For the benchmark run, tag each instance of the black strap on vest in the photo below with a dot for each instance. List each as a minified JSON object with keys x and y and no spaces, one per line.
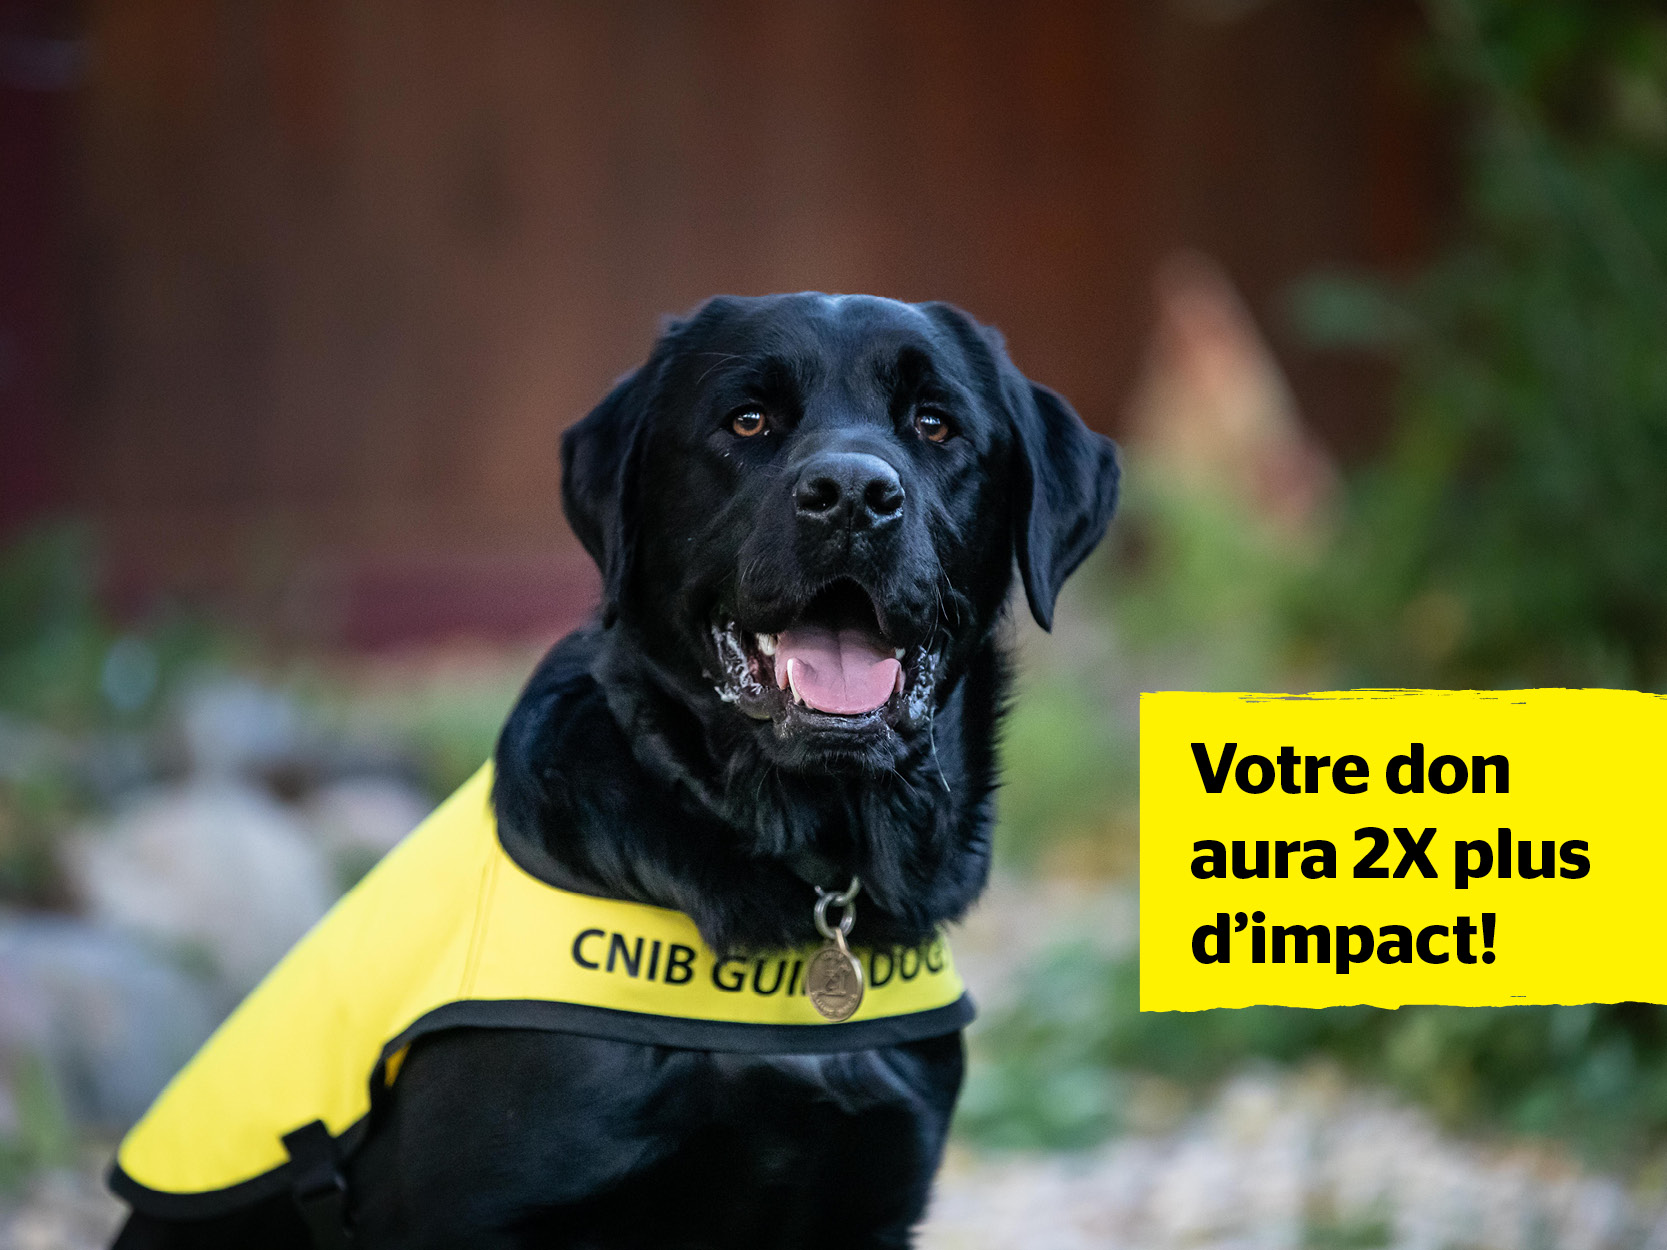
{"x":317,"y":1185}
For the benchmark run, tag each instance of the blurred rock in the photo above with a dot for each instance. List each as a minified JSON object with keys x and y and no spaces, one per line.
{"x":238,"y":726}
{"x":214,"y":868}
{"x":1283,"y":1163}
{"x":1019,"y":918}
{"x":115,"y":764}
{"x":64,"y":1210}
{"x":365,"y":815}
{"x":110,"y":1020}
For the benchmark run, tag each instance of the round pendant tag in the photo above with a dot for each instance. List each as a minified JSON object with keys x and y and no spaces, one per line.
{"x":834,"y":983}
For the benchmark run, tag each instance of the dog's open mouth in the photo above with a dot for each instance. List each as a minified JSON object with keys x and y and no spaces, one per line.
{"x":834,"y":664}
{"x":834,"y":659}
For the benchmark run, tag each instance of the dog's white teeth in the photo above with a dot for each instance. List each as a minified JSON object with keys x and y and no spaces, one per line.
{"x":781,"y":674}
{"x":766,"y":644}
{"x":898,"y":653}
{"x":899,"y":683}
{"x":793,"y":680}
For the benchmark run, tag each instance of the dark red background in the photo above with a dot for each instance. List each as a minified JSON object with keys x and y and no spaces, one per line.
{"x":296,"y":295}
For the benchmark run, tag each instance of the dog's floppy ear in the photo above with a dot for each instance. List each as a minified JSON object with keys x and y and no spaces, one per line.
{"x":600,"y":457}
{"x":1064,"y":485}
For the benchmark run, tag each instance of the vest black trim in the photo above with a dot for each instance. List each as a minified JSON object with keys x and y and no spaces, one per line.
{"x":582,"y":1020}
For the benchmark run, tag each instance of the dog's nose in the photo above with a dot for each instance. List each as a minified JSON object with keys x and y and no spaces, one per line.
{"x":848,"y":488}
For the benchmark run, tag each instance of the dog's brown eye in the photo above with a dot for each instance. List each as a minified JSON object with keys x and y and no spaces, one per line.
{"x":748,"y":423}
{"x":931,"y":426}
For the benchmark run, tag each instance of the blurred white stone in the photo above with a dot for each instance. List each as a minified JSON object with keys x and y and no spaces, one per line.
{"x":63,"y":1210}
{"x":1280,"y":1163}
{"x":214,"y":868}
{"x":368,"y":814}
{"x":110,"y":1020}
{"x":239,"y":726}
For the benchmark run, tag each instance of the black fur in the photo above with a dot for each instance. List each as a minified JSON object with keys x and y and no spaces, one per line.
{"x":641,"y":764}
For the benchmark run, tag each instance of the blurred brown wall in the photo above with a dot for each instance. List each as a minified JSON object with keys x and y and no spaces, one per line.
{"x":344,"y":270}
{"x":39,"y":66}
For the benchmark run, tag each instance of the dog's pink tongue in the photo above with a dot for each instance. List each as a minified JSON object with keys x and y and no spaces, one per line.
{"x":844,"y":672}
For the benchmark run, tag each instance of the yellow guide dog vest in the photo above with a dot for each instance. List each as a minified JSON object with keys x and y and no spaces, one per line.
{"x":449,"y":932}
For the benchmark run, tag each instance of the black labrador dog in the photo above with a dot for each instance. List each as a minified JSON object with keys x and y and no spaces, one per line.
{"x":806,"y":510}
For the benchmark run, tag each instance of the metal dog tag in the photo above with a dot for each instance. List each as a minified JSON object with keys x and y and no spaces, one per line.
{"x":833,"y":978}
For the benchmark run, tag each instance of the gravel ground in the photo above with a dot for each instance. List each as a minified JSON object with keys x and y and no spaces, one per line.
{"x":67,"y":1209}
{"x":1299,"y":1163}
{"x":1287,"y":1163}
{"x":1272,"y":1163}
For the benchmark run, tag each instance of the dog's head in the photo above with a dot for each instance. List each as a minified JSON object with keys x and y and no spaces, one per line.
{"x":807,"y":508}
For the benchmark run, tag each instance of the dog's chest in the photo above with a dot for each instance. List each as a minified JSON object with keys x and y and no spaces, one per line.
{"x":523,"y":1129}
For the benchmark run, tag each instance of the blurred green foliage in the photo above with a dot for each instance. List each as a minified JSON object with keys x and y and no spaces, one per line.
{"x":1059,"y":1066}
{"x":1068,"y":773}
{"x":1326,"y":1231}
{"x":1188,"y":592}
{"x":1513,"y":533}
{"x":1195,"y":582}
{"x":69,"y":675}
{"x":34,"y":810}
{"x":65,"y":665}
{"x":1516,"y":531}
{"x":445,"y":723}
{"x":43,"y":1136}
{"x":52,"y":637}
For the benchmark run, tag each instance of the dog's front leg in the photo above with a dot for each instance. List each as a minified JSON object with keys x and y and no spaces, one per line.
{"x":492,"y":1137}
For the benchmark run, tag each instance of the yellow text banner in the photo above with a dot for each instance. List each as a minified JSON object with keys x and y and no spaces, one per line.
{"x":1471,"y":848}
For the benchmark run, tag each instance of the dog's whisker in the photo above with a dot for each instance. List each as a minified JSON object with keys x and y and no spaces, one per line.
{"x":932,"y":740}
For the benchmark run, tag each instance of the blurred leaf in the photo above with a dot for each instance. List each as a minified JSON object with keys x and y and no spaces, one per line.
{"x":1340,"y":310}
